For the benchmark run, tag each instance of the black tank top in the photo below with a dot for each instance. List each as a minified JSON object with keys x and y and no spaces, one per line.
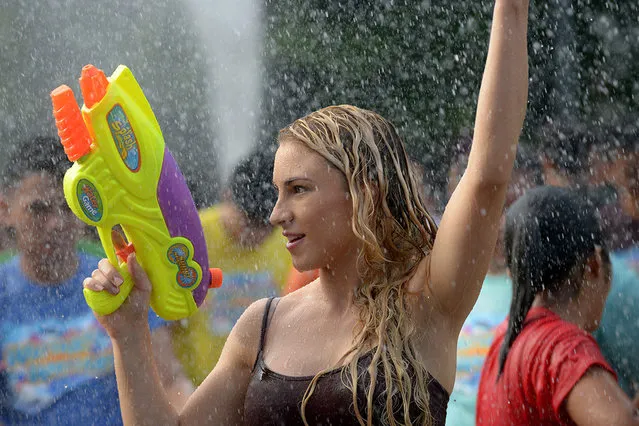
{"x":276,"y":399}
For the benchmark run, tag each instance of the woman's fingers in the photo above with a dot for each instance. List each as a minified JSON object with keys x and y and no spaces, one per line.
{"x":104,"y":282}
{"x":92,"y":284}
{"x":110,"y":272}
{"x":106,"y":277}
{"x":137,"y":272}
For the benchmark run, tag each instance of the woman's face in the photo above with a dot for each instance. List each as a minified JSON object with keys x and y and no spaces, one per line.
{"x":314,"y":208}
{"x":46,"y":230}
{"x":595,"y":290}
{"x":620,"y":169}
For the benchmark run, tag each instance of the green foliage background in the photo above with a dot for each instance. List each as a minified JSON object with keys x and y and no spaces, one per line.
{"x":417,"y":62}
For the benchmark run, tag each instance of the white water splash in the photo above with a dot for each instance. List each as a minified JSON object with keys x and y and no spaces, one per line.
{"x":231,"y":35}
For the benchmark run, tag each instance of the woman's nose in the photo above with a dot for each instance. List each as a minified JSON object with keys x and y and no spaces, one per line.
{"x":54,"y":222}
{"x":280,"y":214}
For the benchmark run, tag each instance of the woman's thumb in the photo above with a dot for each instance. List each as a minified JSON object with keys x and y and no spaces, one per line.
{"x":140,"y":278}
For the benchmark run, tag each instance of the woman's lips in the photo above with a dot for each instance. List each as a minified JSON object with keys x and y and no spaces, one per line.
{"x":294,"y":240}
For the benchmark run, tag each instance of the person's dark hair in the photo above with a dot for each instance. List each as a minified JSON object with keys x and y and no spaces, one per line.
{"x":35,"y":155}
{"x":567,"y":146}
{"x":527,"y":161}
{"x":550,"y":231}
{"x":628,"y":136}
{"x":251,"y":184}
{"x":619,"y":137}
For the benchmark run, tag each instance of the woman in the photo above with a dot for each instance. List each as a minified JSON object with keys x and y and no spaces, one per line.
{"x":544,"y":367}
{"x":373,"y":340}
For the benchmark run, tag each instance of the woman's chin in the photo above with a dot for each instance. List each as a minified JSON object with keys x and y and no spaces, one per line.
{"x":303,"y":265}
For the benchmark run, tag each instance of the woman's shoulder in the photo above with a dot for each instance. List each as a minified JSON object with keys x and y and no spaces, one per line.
{"x":253,"y":315}
{"x":248,"y":327}
{"x":245,"y":337}
{"x":546,"y":329}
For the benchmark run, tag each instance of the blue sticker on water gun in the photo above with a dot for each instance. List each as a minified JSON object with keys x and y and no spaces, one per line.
{"x":90,"y":200}
{"x":124,"y":137}
{"x":178,"y":254}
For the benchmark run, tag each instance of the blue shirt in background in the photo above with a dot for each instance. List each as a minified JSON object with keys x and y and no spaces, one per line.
{"x":630,"y":256}
{"x":618,"y":333}
{"x":56,"y":360}
{"x":492,"y":307}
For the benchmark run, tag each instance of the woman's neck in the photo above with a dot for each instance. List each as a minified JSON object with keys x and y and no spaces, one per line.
{"x":569,"y":310}
{"x":338,"y":284}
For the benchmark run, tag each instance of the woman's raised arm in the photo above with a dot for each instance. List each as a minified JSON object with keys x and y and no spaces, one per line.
{"x":468,"y":231}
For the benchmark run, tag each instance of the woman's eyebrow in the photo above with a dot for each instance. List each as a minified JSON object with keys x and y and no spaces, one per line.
{"x":293,"y":179}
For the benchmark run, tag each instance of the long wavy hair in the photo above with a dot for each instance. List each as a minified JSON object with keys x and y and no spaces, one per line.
{"x":396,"y":232}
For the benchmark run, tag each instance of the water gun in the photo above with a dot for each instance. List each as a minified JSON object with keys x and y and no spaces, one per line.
{"x":125,"y":182}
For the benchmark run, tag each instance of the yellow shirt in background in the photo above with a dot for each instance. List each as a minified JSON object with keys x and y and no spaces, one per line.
{"x":249,"y":275}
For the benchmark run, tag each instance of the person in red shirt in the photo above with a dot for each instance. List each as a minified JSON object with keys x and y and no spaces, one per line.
{"x":544,"y":368}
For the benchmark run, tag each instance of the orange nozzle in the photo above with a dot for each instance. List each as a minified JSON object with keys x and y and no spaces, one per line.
{"x":216,"y":278}
{"x":93,"y":84}
{"x":122,"y":248}
{"x":73,"y":133}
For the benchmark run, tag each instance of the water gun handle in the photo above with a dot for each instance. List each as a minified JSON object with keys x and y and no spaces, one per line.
{"x":105,"y":303}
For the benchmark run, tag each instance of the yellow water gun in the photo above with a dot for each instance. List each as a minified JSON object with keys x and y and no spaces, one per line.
{"x":125,"y":182}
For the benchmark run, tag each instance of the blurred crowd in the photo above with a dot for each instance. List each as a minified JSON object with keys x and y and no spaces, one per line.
{"x":54,"y":351}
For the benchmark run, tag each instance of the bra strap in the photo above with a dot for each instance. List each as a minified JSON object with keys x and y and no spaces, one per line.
{"x":265,"y":318}
{"x":265,"y":323}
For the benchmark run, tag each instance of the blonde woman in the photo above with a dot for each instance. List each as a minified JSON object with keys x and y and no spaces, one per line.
{"x":373,"y":339}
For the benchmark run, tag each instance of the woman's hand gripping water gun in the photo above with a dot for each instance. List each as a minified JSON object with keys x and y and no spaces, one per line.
{"x":124,"y":176}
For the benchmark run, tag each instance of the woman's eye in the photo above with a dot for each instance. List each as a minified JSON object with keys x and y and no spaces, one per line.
{"x":298,"y":189}
{"x":40,"y":207}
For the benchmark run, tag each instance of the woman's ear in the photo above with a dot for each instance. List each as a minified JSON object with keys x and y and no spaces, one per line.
{"x":595,"y":264}
{"x":5,"y":211}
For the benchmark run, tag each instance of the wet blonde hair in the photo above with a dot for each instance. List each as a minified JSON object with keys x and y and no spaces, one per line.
{"x":396,"y":232}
